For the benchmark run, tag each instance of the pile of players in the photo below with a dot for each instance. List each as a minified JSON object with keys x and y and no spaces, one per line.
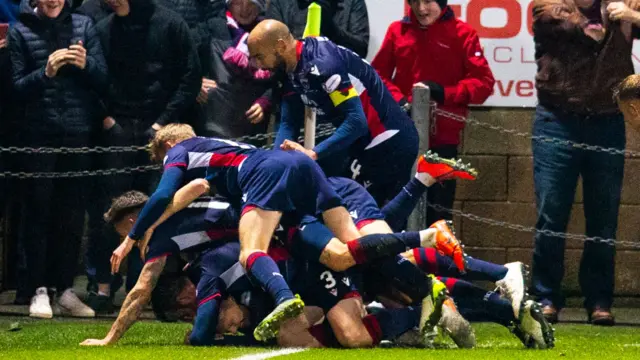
{"x":288,"y":251}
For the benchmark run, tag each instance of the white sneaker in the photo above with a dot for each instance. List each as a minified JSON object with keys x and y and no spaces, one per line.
{"x":40,"y":306}
{"x":535,"y":326}
{"x":70,"y":304}
{"x":512,"y":286}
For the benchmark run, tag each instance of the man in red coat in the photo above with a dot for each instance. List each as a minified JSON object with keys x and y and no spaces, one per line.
{"x":431,"y":46}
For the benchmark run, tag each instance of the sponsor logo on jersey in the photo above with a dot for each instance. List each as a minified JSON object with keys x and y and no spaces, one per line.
{"x":332,"y":83}
{"x":354,"y":214}
{"x":334,"y":292}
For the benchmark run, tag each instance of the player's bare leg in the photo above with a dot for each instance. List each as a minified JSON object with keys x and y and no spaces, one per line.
{"x":256,"y":230}
{"x":341,"y":224}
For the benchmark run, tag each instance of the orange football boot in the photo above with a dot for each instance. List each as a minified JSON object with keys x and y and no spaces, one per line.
{"x":445,"y":169}
{"x":447,"y":244}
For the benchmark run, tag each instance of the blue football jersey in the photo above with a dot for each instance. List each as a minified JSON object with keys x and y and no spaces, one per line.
{"x":204,"y":222}
{"x":328,"y":75}
{"x":218,"y":160}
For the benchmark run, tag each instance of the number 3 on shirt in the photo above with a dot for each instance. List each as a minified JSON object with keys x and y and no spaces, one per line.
{"x":328,"y":278}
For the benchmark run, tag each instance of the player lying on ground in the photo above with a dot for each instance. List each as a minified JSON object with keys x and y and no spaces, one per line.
{"x":265,"y":183}
{"x":353,"y":195}
{"x":381,"y":149}
{"x":197,"y":226}
{"x":314,"y":238}
{"x":226,"y":305}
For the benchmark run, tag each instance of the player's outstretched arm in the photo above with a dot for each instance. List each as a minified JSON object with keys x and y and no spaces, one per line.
{"x":133,"y":304}
{"x":185,"y":196}
{"x":169,"y":184}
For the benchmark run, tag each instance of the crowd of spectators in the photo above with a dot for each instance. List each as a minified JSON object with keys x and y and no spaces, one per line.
{"x":112,"y":72}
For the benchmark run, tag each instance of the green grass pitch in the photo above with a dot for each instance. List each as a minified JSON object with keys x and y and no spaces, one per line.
{"x":59,"y":339}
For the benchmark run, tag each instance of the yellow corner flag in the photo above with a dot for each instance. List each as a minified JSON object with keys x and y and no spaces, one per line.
{"x":314,"y":17}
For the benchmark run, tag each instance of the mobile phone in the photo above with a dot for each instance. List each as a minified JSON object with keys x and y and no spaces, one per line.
{"x":4,"y":28}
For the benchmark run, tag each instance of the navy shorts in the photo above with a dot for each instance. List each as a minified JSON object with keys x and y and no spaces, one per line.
{"x":385,"y":168}
{"x":323,"y":287}
{"x":313,"y":236}
{"x":360,"y":203}
{"x":285,"y":181}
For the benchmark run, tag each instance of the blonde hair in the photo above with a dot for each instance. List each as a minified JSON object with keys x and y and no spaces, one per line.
{"x":628,"y":89}
{"x":171,"y":132}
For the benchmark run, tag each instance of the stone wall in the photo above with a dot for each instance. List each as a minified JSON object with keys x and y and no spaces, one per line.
{"x":504,"y":191}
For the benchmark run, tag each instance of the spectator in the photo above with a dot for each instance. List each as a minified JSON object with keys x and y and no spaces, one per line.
{"x":57,"y":68}
{"x":345,"y":22}
{"x":196,"y":14}
{"x":151,"y":84}
{"x":579,"y":64}
{"x":239,"y":98}
{"x":458,"y":76}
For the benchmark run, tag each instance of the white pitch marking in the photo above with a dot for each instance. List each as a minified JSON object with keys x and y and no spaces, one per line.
{"x":270,"y":354}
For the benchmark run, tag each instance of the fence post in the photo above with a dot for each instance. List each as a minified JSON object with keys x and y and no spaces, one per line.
{"x":314,"y":18}
{"x":421,"y":114}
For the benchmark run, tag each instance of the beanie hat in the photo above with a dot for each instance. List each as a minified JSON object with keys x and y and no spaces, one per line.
{"x":259,"y":3}
{"x":441,"y":3}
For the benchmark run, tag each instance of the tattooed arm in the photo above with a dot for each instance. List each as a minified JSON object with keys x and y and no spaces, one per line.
{"x":133,"y":304}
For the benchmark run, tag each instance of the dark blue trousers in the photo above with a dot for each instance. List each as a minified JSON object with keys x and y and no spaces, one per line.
{"x":556,"y":169}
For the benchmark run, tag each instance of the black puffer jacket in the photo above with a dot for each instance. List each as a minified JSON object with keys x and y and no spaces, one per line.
{"x":196,"y":13}
{"x":349,"y":28}
{"x":67,"y":103}
{"x":154,"y":72}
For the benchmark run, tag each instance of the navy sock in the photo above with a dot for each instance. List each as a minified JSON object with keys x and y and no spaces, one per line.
{"x":264,"y":270}
{"x":397,"y":211}
{"x":395,"y":322}
{"x":375,"y":246}
{"x":430,"y":261}
{"x":484,"y":270}
{"x":404,"y":276}
{"x":478,"y":305}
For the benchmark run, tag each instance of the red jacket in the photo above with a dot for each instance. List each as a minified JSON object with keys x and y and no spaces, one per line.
{"x":447,"y":52}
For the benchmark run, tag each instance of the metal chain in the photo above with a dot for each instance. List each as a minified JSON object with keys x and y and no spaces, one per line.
{"x":70,"y":150}
{"x":598,"y":148}
{"x":531,"y":229}
{"x":133,"y":148}
{"x":73,"y":174}
{"x":322,"y":130}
